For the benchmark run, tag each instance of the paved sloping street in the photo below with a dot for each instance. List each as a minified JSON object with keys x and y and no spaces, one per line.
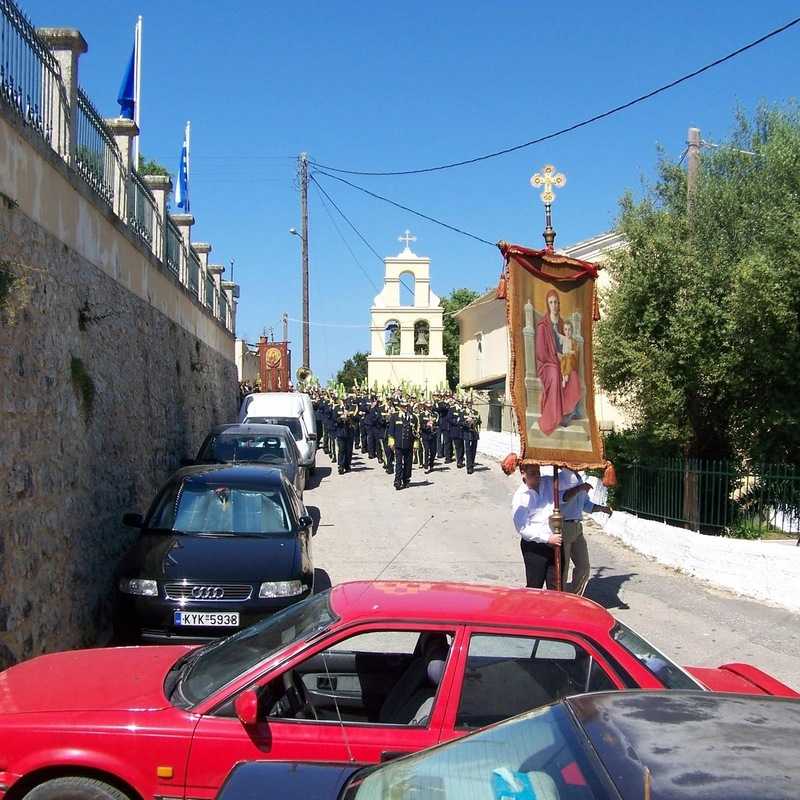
{"x":451,"y":526}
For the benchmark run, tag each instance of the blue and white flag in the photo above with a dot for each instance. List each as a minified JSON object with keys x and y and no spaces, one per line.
{"x":127,"y":96}
{"x":182,"y":186}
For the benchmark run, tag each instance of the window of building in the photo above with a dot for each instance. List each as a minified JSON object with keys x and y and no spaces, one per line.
{"x":422,"y":338}
{"x":391,"y":338}
{"x":408,"y":285}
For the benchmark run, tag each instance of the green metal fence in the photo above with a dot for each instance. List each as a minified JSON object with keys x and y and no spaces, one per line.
{"x":713,"y":496}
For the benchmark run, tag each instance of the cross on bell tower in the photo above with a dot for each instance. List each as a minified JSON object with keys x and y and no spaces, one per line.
{"x":407,"y":238}
{"x":548,"y":178}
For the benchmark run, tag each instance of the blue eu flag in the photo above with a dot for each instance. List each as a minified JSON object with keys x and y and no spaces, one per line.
{"x":126,"y":98}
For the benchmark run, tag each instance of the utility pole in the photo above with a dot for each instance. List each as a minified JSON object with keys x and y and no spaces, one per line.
{"x":285,"y":327}
{"x":692,"y":163}
{"x":303,"y":173}
{"x":691,"y":504}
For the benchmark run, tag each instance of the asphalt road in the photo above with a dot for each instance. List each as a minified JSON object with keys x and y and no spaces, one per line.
{"x":454,"y":526}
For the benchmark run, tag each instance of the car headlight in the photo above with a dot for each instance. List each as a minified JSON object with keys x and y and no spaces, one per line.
{"x":140,"y":586}
{"x":281,"y":589}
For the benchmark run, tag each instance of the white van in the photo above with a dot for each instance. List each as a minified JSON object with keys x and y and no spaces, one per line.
{"x":292,"y":409}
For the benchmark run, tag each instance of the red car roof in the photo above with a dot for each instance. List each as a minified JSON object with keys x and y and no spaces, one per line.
{"x":468,"y":603}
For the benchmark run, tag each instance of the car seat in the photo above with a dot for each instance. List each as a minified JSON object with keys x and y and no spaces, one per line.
{"x":410,"y":700}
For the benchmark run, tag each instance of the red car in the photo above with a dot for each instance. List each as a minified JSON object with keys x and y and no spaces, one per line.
{"x":362,"y":673}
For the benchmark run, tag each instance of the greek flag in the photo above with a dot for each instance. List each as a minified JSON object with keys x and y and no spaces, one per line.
{"x":182,"y":187}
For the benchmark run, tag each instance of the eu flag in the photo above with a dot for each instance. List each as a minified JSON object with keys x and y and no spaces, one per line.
{"x":126,"y":97}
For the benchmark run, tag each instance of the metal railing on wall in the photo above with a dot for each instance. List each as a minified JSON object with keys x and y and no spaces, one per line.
{"x":172,"y":247}
{"x":142,"y":215}
{"x":222,"y":308}
{"x":30,"y":79}
{"x":713,"y":496}
{"x":193,"y":273}
{"x":208,"y":297}
{"x":97,"y":157}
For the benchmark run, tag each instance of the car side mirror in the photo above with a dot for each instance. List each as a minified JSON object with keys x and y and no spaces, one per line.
{"x":133,"y":520}
{"x":306,"y":521}
{"x":312,"y":437}
{"x":246,"y":707}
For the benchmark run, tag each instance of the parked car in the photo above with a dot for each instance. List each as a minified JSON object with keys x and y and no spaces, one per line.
{"x":221,"y":548}
{"x":360,"y":673}
{"x":609,"y":746}
{"x":269,"y":445}
{"x":293,"y":409}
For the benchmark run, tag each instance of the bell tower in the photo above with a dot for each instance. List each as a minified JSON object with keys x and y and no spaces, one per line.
{"x":406,"y":337}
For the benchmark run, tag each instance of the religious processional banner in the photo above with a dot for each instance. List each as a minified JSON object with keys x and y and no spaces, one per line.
{"x":550,"y":307}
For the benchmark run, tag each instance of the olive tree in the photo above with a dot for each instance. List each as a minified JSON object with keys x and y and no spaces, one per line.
{"x":700,"y":336}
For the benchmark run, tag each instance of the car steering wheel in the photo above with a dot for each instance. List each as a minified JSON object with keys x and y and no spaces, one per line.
{"x":299,"y":699}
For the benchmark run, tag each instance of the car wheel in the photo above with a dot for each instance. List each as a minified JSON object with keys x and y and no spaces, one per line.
{"x":75,"y":788}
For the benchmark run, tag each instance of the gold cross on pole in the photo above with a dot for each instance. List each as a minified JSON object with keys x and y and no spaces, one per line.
{"x":548,"y":178}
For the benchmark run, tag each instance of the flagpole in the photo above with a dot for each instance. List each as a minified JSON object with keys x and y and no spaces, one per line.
{"x":188,"y":160}
{"x":137,"y":87}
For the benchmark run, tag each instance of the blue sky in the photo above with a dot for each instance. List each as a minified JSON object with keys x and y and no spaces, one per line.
{"x":402,"y":85}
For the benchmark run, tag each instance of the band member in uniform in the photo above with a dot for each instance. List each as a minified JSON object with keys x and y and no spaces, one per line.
{"x":469,"y":434}
{"x":388,"y":445}
{"x":456,"y":418}
{"x":429,"y":433}
{"x":401,"y":437}
{"x":344,"y":436}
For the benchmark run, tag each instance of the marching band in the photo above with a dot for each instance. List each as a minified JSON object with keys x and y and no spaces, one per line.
{"x":399,"y":429}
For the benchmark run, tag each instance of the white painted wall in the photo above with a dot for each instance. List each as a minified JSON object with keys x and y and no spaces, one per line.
{"x":768,"y":571}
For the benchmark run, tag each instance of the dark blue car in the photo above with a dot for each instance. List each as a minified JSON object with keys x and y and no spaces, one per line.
{"x":220,"y":548}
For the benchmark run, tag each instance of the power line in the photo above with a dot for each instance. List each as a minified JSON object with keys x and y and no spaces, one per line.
{"x":404,"y":208}
{"x":357,"y":231}
{"x":363,"y":239}
{"x":344,"y":217}
{"x":577,"y":125}
{"x":341,"y":236}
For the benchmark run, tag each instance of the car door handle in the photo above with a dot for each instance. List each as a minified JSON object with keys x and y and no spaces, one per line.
{"x":326,"y":684}
{"x":390,"y":755}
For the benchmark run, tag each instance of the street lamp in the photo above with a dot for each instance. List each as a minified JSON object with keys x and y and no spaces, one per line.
{"x":304,"y":239}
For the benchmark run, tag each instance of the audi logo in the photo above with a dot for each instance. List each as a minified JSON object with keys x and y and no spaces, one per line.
{"x":207,"y":592}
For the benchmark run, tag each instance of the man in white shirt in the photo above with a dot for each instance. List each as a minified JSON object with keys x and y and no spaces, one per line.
{"x":531,"y":508}
{"x":574,"y":493}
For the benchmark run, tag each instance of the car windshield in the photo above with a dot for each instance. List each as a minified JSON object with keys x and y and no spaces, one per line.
{"x":669,"y":673}
{"x":187,"y":507}
{"x":223,"y":661}
{"x":225,"y":448}
{"x":536,"y":755}
{"x":292,"y":423}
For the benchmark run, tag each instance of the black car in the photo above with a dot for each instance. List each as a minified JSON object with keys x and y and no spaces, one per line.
{"x":676,"y":745}
{"x":269,"y":445}
{"x":221,"y":548}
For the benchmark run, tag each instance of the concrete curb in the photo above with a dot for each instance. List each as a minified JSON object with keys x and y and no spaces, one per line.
{"x":768,"y":571}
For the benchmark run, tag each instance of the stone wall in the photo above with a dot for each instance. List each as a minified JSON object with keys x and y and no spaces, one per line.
{"x":109,"y":374}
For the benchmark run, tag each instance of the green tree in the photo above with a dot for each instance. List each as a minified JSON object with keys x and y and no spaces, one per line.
{"x":700,"y":336}
{"x":354,"y":369}
{"x":149,"y":167}
{"x":455,"y":301}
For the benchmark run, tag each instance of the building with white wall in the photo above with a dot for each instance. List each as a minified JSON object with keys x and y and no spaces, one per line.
{"x":406,"y":338}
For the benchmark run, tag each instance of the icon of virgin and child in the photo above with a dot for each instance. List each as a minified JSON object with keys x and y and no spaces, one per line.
{"x":556,"y":367}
